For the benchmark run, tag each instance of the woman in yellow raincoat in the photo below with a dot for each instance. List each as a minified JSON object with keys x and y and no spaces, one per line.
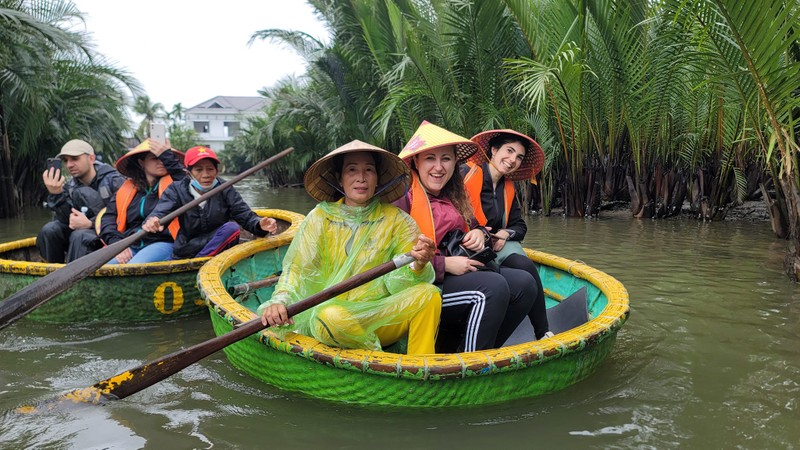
{"x":352,"y":229}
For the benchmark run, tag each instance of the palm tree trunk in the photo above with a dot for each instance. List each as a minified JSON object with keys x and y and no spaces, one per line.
{"x":792,"y":201}
{"x":8,"y":192}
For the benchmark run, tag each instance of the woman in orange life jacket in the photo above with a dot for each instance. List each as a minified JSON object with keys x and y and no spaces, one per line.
{"x":480,"y":308}
{"x":505,"y":156}
{"x":150,"y":168}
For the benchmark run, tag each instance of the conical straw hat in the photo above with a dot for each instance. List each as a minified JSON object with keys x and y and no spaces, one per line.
{"x":429,"y":136}
{"x":321,"y":182}
{"x":532,"y":163}
{"x":123,"y":163}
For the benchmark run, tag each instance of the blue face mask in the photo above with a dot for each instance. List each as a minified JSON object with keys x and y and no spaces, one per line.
{"x":196,"y":184}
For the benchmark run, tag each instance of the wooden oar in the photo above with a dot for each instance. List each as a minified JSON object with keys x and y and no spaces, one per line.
{"x":244,"y":288}
{"x":42,"y":290}
{"x":135,"y":380}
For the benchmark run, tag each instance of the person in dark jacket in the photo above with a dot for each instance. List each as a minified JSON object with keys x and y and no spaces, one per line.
{"x":214,"y":225}
{"x":75,"y":203}
{"x":151,"y":167}
{"x":503,"y":157}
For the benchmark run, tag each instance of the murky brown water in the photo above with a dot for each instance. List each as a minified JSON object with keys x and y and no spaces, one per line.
{"x":710,"y":358}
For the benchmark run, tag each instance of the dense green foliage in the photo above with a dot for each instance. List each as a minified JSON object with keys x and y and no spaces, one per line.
{"x":656,"y":104}
{"x":646,"y":102}
{"x":53,"y":88}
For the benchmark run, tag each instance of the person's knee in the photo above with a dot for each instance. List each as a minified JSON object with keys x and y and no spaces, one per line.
{"x":83,"y":236}
{"x":228,"y":229}
{"x":495,"y":286}
{"x":334,"y":325}
{"x":52,"y":229}
{"x":516,"y":261}
{"x":522,"y":285}
{"x":427,"y":293}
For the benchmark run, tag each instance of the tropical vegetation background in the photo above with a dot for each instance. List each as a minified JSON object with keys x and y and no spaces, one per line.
{"x":657,"y":104}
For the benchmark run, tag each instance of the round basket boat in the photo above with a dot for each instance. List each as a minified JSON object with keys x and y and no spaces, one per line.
{"x":303,"y":364}
{"x":116,"y":293}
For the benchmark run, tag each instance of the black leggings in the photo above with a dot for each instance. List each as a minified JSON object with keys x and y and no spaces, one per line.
{"x":480,"y":310}
{"x":537,"y":314}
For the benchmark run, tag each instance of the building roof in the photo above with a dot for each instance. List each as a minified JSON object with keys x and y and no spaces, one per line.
{"x":239,"y":104}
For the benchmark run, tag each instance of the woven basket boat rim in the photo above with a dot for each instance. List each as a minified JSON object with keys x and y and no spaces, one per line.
{"x":583,"y":338}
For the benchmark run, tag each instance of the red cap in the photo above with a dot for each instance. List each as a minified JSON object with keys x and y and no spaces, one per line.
{"x":195,"y":154}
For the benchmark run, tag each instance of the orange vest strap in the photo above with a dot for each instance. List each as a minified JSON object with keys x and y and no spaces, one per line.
{"x":421,"y":208}
{"x":125,"y":195}
{"x":473,"y":184}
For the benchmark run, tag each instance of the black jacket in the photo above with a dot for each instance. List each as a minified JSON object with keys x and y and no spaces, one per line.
{"x":199,"y":224}
{"x":139,"y":209}
{"x":493,"y":205}
{"x":95,"y":196}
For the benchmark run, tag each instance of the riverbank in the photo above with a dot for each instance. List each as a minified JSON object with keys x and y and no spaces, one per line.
{"x":752,"y":210}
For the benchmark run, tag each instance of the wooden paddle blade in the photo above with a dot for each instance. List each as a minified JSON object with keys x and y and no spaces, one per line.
{"x":42,"y":290}
{"x":144,"y":376}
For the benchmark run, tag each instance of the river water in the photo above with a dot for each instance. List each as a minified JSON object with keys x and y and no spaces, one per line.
{"x":708,"y":359}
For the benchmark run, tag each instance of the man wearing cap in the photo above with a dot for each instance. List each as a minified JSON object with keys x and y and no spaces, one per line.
{"x":75,"y":203}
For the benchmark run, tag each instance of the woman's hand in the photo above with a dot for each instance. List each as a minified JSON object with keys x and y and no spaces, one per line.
{"x":152,"y":225}
{"x":459,"y":265}
{"x":268,"y":224}
{"x":276,"y":314}
{"x":157,"y":148}
{"x":500,"y":239}
{"x":422,"y":252}
{"x":474,"y":240}
{"x":124,"y":256}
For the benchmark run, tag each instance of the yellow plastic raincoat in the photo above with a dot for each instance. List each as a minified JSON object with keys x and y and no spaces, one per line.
{"x":336,"y":242}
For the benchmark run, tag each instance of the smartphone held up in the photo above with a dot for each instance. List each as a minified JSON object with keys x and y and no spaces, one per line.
{"x":158,"y":132}
{"x":53,"y":163}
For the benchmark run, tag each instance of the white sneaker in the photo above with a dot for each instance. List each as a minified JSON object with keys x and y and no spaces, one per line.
{"x":549,"y":334}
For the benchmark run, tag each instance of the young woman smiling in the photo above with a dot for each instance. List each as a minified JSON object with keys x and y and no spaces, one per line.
{"x":505,"y":156}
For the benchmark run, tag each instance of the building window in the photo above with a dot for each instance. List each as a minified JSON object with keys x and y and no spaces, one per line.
{"x":201,"y":127}
{"x":231,"y":129}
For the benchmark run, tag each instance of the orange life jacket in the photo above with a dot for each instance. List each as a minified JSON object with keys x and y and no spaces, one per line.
{"x":420,"y":208}
{"x":125,"y":195}
{"x":473,"y":183}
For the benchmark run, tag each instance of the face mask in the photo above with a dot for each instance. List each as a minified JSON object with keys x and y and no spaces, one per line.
{"x":196,"y":184}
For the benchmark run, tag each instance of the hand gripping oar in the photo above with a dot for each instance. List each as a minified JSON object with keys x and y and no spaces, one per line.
{"x":42,"y":290}
{"x":135,"y":380}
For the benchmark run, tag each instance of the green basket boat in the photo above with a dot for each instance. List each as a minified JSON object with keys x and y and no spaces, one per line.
{"x":116,"y":293}
{"x":303,"y":364}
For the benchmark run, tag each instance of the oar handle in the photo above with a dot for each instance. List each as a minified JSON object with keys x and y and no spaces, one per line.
{"x":142,"y":377}
{"x":247,"y":287}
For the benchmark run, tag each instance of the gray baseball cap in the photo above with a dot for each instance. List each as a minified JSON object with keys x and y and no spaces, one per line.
{"x":76,"y":147}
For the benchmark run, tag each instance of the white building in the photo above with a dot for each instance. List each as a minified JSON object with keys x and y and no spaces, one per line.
{"x":219,"y":119}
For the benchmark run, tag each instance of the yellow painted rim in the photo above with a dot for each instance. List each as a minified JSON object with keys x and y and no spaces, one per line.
{"x":9,"y":266}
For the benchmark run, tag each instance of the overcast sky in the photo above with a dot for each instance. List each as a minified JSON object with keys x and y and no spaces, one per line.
{"x":188,"y":51}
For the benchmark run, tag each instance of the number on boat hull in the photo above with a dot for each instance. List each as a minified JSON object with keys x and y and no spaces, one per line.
{"x":177,"y":297}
